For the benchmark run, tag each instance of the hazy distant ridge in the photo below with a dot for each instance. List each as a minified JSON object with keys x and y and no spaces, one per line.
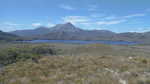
{"x":69,"y":32}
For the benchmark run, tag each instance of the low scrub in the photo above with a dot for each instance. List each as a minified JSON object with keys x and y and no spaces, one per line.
{"x":22,"y":53}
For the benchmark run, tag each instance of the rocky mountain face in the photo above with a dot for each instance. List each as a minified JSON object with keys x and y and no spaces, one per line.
{"x":68,"y":27}
{"x":69,"y":32}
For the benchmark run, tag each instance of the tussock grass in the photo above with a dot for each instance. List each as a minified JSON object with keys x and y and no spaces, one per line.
{"x":81,"y":64}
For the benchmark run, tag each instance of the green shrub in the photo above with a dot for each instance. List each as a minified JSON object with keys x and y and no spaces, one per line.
{"x":144,"y":61}
{"x":144,"y":82}
{"x":14,"y":54}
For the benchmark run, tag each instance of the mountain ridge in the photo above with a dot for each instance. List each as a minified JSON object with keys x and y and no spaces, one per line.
{"x":68,"y":31}
{"x":8,"y":37}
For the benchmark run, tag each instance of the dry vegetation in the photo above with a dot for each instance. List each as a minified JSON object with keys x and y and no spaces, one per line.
{"x":83,"y":64}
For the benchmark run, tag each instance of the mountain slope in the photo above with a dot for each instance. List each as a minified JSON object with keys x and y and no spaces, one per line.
{"x":70,"y":32}
{"x":8,"y":37}
{"x":68,"y":27}
{"x":37,"y":31}
{"x":65,"y":32}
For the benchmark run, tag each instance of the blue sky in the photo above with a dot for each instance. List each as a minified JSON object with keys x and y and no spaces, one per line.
{"x":114,"y":15}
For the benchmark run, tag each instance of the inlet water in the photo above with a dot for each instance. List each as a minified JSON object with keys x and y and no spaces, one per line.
{"x":83,"y":42}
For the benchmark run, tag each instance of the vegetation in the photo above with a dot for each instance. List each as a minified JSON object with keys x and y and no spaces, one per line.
{"x":24,"y":52}
{"x":75,"y":64}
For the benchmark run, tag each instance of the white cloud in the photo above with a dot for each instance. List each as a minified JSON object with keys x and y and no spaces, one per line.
{"x":96,"y":15}
{"x":76,"y":19}
{"x":141,"y":29}
{"x":110,"y":17}
{"x":135,"y":15}
{"x":11,"y":24}
{"x":144,"y":29}
{"x":93,"y":8}
{"x":67,"y":7}
{"x":85,"y":21}
{"x":36,"y":24}
{"x":50,"y":24}
{"x":110,"y":22}
{"x":96,"y":19}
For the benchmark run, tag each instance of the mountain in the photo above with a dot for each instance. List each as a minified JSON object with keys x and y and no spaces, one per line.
{"x":68,"y":27}
{"x":8,"y":37}
{"x":33,"y":32}
{"x":68,"y":31}
{"x":65,"y":31}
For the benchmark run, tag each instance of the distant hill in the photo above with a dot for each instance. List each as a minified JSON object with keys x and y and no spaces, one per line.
{"x":69,"y":32}
{"x":33,"y":32}
{"x":64,"y":32}
{"x":8,"y":37}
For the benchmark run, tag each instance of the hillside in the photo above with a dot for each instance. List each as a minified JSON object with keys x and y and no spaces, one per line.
{"x":70,"y":32}
{"x":8,"y":37}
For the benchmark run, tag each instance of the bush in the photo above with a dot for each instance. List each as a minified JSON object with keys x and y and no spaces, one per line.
{"x":144,"y":82}
{"x":12,"y":55}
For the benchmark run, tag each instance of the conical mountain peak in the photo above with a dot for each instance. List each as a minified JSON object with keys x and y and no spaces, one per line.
{"x":69,"y":23}
{"x":67,"y":27}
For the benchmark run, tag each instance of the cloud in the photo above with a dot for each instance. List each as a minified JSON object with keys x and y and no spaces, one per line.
{"x":92,"y":8}
{"x":135,"y":15}
{"x":50,"y":25}
{"x":110,"y":17}
{"x":75,"y":19}
{"x":113,"y":17}
{"x":9,"y":26}
{"x":66,"y":7}
{"x":148,"y":10}
{"x":97,"y":20}
{"x":86,"y":21}
{"x":110,"y":22}
{"x":36,"y":24}
{"x":96,"y":15}
{"x":141,"y":29}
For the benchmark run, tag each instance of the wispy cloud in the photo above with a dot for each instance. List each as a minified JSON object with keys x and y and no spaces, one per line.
{"x":101,"y":19}
{"x":97,"y":15}
{"x":110,"y":22}
{"x":92,"y":8}
{"x":50,"y":24}
{"x":88,"y":21}
{"x":66,"y":7}
{"x":135,"y":15}
{"x":75,"y":19}
{"x":110,"y":17}
{"x":148,"y":10}
{"x":10,"y":26}
{"x":113,"y":17}
{"x":141,"y":29}
{"x":36,"y":24}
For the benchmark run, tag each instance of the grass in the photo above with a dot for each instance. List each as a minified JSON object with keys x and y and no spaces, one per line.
{"x":81,"y":64}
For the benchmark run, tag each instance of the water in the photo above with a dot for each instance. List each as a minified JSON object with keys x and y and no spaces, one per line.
{"x":83,"y":42}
